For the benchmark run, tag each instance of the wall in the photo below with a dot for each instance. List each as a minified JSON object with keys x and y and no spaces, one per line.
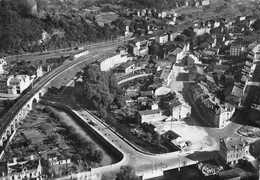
{"x":112,"y":61}
{"x":93,"y":133}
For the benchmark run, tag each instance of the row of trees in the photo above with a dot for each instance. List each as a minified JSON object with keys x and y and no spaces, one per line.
{"x":100,"y":90}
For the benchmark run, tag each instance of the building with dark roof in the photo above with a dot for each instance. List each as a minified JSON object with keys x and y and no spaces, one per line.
{"x":233,"y":149}
{"x":215,"y":113}
{"x":126,"y":68}
{"x":3,"y":84}
{"x":171,"y":135}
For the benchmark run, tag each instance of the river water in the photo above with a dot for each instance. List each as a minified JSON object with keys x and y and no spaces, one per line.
{"x":107,"y":158}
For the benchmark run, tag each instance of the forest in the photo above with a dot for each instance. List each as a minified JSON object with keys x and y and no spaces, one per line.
{"x":21,"y":28}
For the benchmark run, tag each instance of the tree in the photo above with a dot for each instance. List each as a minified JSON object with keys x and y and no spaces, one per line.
{"x":126,"y":173}
{"x":256,"y":25}
{"x":181,"y":38}
{"x":157,"y":139}
{"x":98,"y":156}
{"x":254,"y":149}
{"x":52,"y":138}
{"x":100,"y":89}
{"x":149,"y":137}
{"x":188,"y":32}
{"x":154,"y":49}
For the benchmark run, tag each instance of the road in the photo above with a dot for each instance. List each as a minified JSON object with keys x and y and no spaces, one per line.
{"x":143,"y":162}
{"x":92,"y":56}
{"x":63,"y":52}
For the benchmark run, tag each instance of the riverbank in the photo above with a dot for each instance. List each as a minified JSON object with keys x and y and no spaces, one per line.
{"x":42,"y":134}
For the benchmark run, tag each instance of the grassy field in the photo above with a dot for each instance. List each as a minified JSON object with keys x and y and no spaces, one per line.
{"x":222,"y":9}
{"x":106,"y":18}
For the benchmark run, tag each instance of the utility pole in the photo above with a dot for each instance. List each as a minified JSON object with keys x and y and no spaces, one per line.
{"x":153,"y":165}
{"x":179,"y":163}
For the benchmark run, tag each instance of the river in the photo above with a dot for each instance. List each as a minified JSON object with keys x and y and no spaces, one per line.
{"x":108,"y":158}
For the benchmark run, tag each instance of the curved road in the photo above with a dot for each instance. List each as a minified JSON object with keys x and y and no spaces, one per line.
{"x":142,"y":162}
{"x":95,"y":52}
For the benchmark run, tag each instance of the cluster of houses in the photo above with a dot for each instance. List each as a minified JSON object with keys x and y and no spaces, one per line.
{"x":15,"y":84}
{"x":30,"y":168}
{"x":162,"y":14}
{"x":216,"y":113}
{"x":22,"y":169}
{"x":211,"y":72}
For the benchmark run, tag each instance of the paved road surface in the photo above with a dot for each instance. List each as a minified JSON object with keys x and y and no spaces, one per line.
{"x":143,"y":162}
{"x":94,"y":53}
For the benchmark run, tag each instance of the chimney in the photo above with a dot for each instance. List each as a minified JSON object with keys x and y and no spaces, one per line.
{"x":32,"y":157}
{"x":14,"y":159}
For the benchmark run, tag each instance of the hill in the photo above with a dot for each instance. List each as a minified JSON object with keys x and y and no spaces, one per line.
{"x":39,"y":25}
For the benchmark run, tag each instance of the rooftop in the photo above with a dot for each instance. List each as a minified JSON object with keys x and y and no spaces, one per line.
{"x":237,"y":91}
{"x":177,"y":51}
{"x":224,"y":67}
{"x":233,"y":143}
{"x":147,"y":112}
{"x":146,"y":93}
{"x":171,"y":135}
{"x":175,"y":103}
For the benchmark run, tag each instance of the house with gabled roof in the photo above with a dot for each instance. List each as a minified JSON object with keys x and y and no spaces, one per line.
{"x":126,"y":67}
{"x":180,"y":110}
{"x":149,"y":116}
{"x":36,"y":70}
{"x":19,"y":82}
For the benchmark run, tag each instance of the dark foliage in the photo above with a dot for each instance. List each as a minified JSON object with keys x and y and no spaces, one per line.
{"x":126,"y":173}
{"x":100,"y":89}
{"x":21,"y":30}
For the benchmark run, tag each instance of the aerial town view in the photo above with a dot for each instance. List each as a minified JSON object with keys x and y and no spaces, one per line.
{"x":129,"y":89}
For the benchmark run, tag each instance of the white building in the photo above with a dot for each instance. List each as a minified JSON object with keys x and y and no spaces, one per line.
{"x":181,"y":51}
{"x":236,"y":49}
{"x":111,"y":60}
{"x":149,"y":116}
{"x":164,"y":14}
{"x":180,"y":110}
{"x":161,"y":39}
{"x":19,"y":82}
{"x":233,"y":149}
{"x":202,"y":30}
{"x":2,"y":64}
{"x":31,"y":169}
{"x":205,"y":2}
{"x":57,"y":159}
